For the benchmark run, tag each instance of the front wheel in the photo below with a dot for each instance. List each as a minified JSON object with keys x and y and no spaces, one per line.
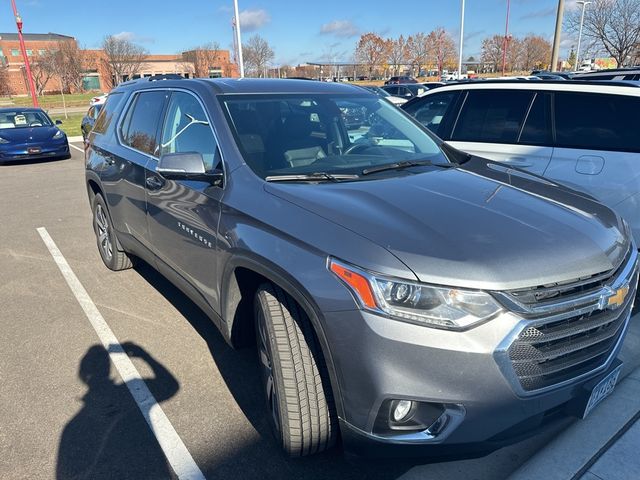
{"x":294,"y":377}
{"x":110,"y":251}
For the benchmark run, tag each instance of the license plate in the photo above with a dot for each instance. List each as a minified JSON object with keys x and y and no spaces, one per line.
{"x":602,"y":390}
{"x":34,"y":150}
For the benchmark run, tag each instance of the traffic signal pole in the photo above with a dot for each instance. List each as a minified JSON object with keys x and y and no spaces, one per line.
{"x":32,"y":87}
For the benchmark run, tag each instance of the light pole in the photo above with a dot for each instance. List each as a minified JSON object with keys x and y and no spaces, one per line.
{"x":238,"y":38}
{"x":556,"y":37}
{"x":23,"y":50}
{"x":461,"y":41}
{"x":505,"y":44}
{"x":584,"y":6}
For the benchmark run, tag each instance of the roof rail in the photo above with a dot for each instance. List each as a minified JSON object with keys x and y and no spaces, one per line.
{"x":605,"y":83}
{"x":153,"y":78}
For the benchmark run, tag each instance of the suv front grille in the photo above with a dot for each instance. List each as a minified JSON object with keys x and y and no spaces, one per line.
{"x":575,"y":338}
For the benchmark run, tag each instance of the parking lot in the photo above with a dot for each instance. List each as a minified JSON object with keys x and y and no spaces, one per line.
{"x":65,"y":410}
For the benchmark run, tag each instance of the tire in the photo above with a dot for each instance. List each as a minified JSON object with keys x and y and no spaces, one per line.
{"x":112,"y":254}
{"x":294,"y":376}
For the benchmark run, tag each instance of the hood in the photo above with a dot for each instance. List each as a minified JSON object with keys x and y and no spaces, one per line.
{"x":28,"y":134}
{"x":479,"y":225}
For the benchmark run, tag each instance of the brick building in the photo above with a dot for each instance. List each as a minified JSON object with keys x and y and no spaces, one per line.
{"x":96,"y":74}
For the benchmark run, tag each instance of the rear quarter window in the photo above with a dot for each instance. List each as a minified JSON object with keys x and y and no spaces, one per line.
{"x":106,"y":112}
{"x":597,"y":121}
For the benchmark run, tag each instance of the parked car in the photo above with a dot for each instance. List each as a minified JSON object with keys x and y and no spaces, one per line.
{"x":400,"y":292}
{"x":98,"y":99}
{"x":432,"y":85}
{"x":89,"y":120}
{"x":407,"y":91}
{"x":400,"y":79}
{"x":565,"y":75}
{"x":29,"y":134}
{"x":632,"y":73}
{"x":397,"y":101}
{"x":578,"y":133}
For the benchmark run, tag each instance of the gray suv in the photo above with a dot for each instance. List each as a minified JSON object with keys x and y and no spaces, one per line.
{"x":403,"y":296}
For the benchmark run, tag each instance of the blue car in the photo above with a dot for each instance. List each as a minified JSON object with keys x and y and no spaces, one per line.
{"x":29,"y":134}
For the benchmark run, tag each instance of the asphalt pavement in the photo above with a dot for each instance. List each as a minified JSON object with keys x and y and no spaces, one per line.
{"x":66,"y":412}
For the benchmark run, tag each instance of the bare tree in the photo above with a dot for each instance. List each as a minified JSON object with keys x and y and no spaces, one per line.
{"x":397,"y":53}
{"x":417,"y":51}
{"x":43,"y":68}
{"x":535,"y":52}
{"x":122,"y":58}
{"x":257,"y":54}
{"x":371,"y":50}
{"x":205,"y":57}
{"x":442,"y":48}
{"x":69,"y":65}
{"x":615,"y":24}
{"x":5,"y":90}
{"x":492,"y":51}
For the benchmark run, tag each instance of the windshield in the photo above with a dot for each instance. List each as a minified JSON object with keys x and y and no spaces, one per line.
{"x":23,"y":118}
{"x":378,"y":91}
{"x":304,"y":134}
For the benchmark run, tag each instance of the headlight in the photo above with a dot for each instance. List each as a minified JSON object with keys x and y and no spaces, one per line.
{"x":3,"y":140}
{"x":59,"y":134}
{"x":439,"y":307}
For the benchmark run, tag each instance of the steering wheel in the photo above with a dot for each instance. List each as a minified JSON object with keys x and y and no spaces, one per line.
{"x":357,"y":146}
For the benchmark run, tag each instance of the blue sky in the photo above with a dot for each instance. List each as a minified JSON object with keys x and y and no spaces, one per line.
{"x":298,"y":30}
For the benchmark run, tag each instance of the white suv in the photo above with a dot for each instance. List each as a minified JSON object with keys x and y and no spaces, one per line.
{"x":582,"y":134}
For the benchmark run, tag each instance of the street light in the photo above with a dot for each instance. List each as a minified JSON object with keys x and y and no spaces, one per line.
{"x":461,"y":41}
{"x":507,"y":38}
{"x":584,"y":6}
{"x":23,"y":50}
{"x":238,"y":38}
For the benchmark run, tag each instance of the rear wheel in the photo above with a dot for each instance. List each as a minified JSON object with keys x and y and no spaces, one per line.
{"x":110,"y":250}
{"x":294,"y":376}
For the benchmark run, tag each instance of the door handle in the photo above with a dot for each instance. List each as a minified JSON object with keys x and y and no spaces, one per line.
{"x":153,"y":182}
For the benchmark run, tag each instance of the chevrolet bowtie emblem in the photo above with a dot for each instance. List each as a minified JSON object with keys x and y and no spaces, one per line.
{"x":617,"y":299}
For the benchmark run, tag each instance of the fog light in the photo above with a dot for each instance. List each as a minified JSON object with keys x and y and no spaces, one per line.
{"x":403,"y":407}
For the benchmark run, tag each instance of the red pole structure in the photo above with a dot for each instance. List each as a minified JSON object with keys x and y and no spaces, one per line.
{"x":505,"y":44}
{"x":27,"y":67}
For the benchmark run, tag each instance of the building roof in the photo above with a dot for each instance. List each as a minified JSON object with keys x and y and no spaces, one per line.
{"x":36,"y":37}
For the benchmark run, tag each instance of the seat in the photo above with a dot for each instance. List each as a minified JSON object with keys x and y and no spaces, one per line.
{"x":294,"y":144}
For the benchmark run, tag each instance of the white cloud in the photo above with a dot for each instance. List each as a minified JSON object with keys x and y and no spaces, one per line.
{"x":251,"y":20}
{"x":339,"y":28}
{"x":132,"y":37}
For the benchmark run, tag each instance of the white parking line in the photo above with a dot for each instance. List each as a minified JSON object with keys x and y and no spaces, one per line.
{"x":177,"y":454}
{"x":77,"y":148}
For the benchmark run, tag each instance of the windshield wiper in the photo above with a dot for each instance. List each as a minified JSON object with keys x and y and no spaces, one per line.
{"x":311,"y":177}
{"x":406,"y":164}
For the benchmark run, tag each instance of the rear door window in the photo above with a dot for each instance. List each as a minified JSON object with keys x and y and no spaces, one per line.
{"x":596,"y":121}
{"x":492,"y":116}
{"x":537,"y":126}
{"x":431,"y":110}
{"x":140,"y":126}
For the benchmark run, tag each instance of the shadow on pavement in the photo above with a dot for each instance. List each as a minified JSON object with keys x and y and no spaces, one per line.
{"x":262,"y":459}
{"x":109,"y":438}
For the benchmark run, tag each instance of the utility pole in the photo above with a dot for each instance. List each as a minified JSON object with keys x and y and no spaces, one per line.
{"x":238,"y":38}
{"x":505,"y":44}
{"x":32,"y":87}
{"x":556,"y":37}
{"x":584,"y":6}
{"x":461,"y":41}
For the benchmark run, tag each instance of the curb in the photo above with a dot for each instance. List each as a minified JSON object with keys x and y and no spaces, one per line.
{"x":576,"y":449}
{"x":75,"y":139}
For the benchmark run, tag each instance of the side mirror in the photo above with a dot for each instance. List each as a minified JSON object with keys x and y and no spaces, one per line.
{"x":58,"y":122}
{"x":186,"y":166}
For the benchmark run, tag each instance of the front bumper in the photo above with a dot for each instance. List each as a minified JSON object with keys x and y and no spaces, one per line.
{"x":378,"y":359}
{"x":16,"y":153}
